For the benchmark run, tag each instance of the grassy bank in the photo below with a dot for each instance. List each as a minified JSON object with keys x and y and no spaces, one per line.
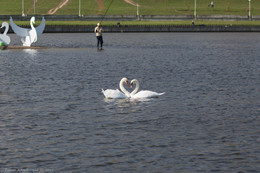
{"x":120,"y":7}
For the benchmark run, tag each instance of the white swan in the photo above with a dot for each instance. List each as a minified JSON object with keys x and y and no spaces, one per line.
{"x":28,"y":36}
{"x":115,"y":94}
{"x":5,"y":39}
{"x":143,"y":93}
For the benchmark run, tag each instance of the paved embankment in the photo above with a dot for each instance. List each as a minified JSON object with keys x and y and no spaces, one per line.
{"x":145,"y":28}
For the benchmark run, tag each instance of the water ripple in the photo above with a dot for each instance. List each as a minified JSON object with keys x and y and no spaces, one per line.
{"x":54,"y":116}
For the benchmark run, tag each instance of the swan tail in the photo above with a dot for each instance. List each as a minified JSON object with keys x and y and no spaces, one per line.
{"x":161,"y":93}
{"x":103,"y":91}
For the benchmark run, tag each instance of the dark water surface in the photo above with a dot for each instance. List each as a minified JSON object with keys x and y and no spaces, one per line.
{"x":54,"y":117}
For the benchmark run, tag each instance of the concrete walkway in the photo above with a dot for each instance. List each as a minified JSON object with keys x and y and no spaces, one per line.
{"x":145,"y":28}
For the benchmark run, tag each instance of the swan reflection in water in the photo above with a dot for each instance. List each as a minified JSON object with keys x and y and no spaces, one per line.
{"x":31,"y":52}
{"x":30,"y":57}
{"x":128,"y":104}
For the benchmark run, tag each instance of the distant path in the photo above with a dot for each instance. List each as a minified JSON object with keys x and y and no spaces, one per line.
{"x":54,"y":10}
{"x":131,"y":2}
{"x":100,"y":6}
{"x":65,"y":2}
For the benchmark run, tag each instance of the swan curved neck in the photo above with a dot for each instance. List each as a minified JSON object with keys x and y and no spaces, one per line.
{"x":122,"y":88}
{"x":6,"y":29}
{"x":31,"y":23}
{"x":136,"y":88}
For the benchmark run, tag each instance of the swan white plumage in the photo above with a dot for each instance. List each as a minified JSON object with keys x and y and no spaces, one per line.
{"x":143,"y":93}
{"x":116,"y":94}
{"x":28,"y":36}
{"x":5,"y":39}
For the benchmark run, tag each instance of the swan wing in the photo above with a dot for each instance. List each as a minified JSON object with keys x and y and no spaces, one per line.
{"x":22,"y":32}
{"x":40,"y":28}
{"x":146,"y":94}
{"x":113,"y":94}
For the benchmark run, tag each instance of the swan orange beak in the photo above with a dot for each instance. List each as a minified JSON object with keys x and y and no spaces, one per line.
{"x":127,"y":83}
{"x":131,"y":85}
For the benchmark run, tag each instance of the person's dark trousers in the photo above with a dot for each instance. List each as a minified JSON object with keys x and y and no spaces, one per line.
{"x":99,"y":41}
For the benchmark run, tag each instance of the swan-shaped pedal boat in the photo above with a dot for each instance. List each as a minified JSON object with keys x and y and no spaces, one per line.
{"x":5,"y":39}
{"x":28,"y":36}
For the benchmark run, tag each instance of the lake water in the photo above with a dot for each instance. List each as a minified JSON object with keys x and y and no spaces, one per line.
{"x":54,"y":117}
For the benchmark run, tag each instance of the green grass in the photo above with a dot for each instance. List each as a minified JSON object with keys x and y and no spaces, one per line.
{"x":109,"y":23}
{"x":119,"y":7}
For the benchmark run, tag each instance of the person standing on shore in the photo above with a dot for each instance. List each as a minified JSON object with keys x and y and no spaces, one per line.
{"x":98,"y":31}
{"x":212,"y":4}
